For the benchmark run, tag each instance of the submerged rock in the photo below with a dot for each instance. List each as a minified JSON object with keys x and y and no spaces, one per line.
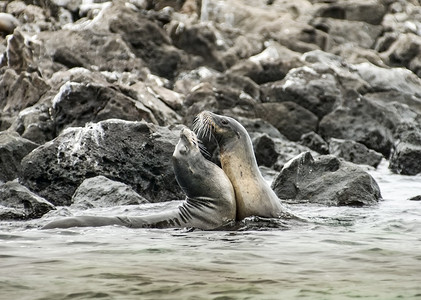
{"x":19,"y":203}
{"x":100,"y":191}
{"x":325,"y":180}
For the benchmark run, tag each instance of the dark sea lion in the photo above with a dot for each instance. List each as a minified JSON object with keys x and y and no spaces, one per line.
{"x":253,"y":194}
{"x":210,"y":199}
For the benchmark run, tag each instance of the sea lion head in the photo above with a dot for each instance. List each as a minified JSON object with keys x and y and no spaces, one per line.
{"x":224,"y":129}
{"x":187,"y":144}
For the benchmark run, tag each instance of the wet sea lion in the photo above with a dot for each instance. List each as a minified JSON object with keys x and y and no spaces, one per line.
{"x":210,"y":199}
{"x":253,"y":194}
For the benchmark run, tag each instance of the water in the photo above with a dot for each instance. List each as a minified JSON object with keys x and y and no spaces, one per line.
{"x":346,"y":253}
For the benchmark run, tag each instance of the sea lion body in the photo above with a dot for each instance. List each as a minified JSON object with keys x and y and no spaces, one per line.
{"x":210,"y":199}
{"x":253,"y":194}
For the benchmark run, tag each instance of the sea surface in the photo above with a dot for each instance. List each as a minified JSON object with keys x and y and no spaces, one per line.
{"x":340,"y":253}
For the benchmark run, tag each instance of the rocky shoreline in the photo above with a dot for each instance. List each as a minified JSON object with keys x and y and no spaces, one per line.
{"x":93,"y":93}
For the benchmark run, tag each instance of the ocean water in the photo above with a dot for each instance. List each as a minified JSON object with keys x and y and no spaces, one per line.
{"x":342,"y":253}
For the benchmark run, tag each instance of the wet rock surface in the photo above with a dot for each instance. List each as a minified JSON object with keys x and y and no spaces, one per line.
{"x":325,"y":180}
{"x":97,"y":86}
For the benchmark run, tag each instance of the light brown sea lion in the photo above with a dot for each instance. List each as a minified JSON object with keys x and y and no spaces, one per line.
{"x":253,"y":194}
{"x":210,"y":199}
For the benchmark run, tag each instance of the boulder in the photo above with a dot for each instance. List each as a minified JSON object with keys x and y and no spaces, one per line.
{"x":89,"y":49}
{"x":360,"y":120}
{"x":135,"y":153}
{"x":341,"y":32}
{"x":78,"y":103}
{"x":371,"y":12}
{"x":406,"y":154}
{"x":19,"y":203}
{"x":325,"y":180}
{"x":316,"y":92}
{"x":35,"y":123}
{"x":100,"y":191}
{"x":13,"y":149}
{"x":147,"y":39}
{"x":275,"y":152}
{"x":403,"y":50}
{"x":20,"y":90}
{"x":315,"y":142}
{"x":354,"y":152}
{"x":289,"y":118}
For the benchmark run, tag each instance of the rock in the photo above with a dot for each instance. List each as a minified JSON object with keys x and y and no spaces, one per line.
{"x":354,"y":152}
{"x":371,"y":12}
{"x":13,"y":149}
{"x":258,"y":127}
{"x":148,"y":41}
{"x":395,"y":79}
{"x":135,"y":153}
{"x":274,"y":152}
{"x":200,"y":40}
{"x":35,"y":123}
{"x":406,"y":154}
{"x":325,"y":180}
{"x":415,"y":198}
{"x":78,"y":103}
{"x":8,"y":23}
{"x":229,"y":95}
{"x":342,"y":32}
{"x":347,"y":78}
{"x":315,"y":92}
{"x":19,"y":203}
{"x":289,"y":118}
{"x":272,"y":64}
{"x":315,"y":142}
{"x":100,"y":191}
{"x":264,"y":148}
{"x":92,"y":50}
{"x":18,"y":55}
{"x":362,"y":121}
{"x":20,"y":90}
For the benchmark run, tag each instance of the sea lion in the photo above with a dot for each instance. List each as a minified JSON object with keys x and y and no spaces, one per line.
{"x":210,"y":199}
{"x":253,"y":194}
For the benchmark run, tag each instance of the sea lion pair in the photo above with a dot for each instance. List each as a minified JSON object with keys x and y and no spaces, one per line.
{"x":214,"y":196}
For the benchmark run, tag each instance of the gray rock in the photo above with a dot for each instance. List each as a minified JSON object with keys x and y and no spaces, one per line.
{"x":289,"y":118}
{"x":406,"y":154}
{"x":354,"y":152}
{"x":325,"y":180}
{"x":275,"y":152}
{"x":316,"y":92}
{"x":100,"y":191}
{"x":362,"y":121}
{"x":371,"y":12}
{"x":13,"y":149}
{"x":315,"y":142}
{"x":135,"y":153}
{"x":342,"y":32}
{"x":19,"y":203}
{"x":78,"y":103}
{"x":20,"y":90}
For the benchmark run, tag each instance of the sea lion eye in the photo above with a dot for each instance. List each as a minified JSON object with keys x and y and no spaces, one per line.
{"x":224,"y":121}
